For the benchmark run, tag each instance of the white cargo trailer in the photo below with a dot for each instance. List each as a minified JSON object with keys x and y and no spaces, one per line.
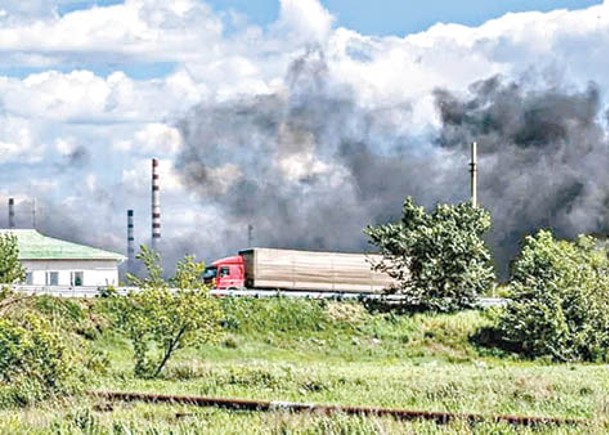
{"x":283,"y":269}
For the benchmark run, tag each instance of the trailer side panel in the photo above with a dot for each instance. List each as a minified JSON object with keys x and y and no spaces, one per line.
{"x":316,"y":271}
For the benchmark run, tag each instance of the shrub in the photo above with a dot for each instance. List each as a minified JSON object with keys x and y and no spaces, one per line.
{"x":558,"y":302}
{"x":42,"y":353}
{"x":438,"y":259}
{"x":35,"y":362}
{"x":159,"y":317}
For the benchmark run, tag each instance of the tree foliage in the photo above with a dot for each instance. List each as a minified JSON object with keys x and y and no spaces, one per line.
{"x":558,"y":301}
{"x":438,"y":259}
{"x":11,"y":269}
{"x":165,"y":316}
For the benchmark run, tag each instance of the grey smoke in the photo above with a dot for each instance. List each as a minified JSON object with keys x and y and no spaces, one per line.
{"x":78,"y":157}
{"x":544,"y":157}
{"x":310,"y":166}
{"x":543,"y":160}
{"x":349,"y":167}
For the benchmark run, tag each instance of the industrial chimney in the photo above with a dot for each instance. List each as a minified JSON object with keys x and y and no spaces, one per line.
{"x":34,"y":213}
{"x":156,"y":207}
{"x":473,"y":170}
{"x":250,"y":235}
{"x":130,"y":242}
{"x":11,"y":213}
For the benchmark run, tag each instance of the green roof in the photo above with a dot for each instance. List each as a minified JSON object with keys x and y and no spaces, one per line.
{"x":35,"y":246}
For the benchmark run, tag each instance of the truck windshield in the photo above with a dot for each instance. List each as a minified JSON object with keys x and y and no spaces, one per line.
{"x":210,"y":273}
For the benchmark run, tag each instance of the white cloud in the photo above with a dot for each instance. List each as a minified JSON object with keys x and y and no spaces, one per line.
{"x":153,"y":139}
{"x":82,"y":96}
{"x":65,"y":146}
{"x":141,"y":29}
{"x":305,"y":19}
{"x":17,"y":141}
{"x":53,"y":95}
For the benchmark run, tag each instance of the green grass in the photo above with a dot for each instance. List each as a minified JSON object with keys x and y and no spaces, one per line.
{"x":82,"y":417}
{"x":327,"y":353}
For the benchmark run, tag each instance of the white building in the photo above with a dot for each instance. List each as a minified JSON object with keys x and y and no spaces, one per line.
{"x":51,"y":262}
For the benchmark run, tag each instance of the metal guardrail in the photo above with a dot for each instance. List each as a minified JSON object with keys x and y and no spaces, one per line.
{"x":91,"y":292}
{"x":68,"y":291}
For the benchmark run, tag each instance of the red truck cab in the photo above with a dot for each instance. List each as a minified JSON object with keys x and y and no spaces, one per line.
{"x":226,"y":273}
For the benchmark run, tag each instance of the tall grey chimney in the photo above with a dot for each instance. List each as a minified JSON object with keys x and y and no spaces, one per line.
{"x":156,"y":206}
{"x":34,"y":213}
{"x":11,"y":213}
{"x":473,"y":170}
{"x":130,"y":242}
{"x":250,"y":235}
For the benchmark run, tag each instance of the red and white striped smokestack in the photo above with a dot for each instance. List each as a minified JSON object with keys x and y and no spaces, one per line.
{"x":130,"y":242}
{"x":11,"y":213}
{"x":156,"y":206}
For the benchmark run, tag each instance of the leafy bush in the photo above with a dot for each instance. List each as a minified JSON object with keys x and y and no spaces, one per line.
{"x":35,"y":361}
{"x":438,"y":259}
{"x":558,"y":302}
{"x":42,"y":353}
{"x":159,"y":319}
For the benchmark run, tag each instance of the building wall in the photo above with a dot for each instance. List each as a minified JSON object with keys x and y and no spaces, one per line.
{"x":94,"y":273}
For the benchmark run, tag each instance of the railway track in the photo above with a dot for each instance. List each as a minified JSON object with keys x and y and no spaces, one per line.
{"x":401,"y":414}
{"x":92,"y":292}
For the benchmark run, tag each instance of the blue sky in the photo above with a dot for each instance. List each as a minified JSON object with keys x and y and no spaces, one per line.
{"x":400,"y":17}
{"x":383,"y":17}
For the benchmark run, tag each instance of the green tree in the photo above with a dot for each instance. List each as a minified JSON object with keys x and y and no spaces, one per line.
{"x":11,"y":272}
{"x":558,"y":301}
{"x":165,"y":316}
{"x":438,"y":259}
{"x":11,"y":269}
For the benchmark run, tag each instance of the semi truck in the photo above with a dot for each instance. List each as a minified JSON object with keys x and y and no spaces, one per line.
{"x":283,"y":269}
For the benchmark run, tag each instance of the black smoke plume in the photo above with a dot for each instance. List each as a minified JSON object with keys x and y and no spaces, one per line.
{"x":544,"y":158}
{"x":307,"y":166}
{"x":310,"y":166}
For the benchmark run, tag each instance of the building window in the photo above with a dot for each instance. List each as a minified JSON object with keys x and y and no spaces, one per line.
{"x":76,"y":278}
{"x":29,"y":278}
{"x":52,"y":278}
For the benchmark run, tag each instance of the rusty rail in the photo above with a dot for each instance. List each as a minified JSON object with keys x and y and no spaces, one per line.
{"x":401,"y":414}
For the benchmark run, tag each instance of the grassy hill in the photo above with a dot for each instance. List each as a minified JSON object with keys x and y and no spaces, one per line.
{"x":318,"y":352}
